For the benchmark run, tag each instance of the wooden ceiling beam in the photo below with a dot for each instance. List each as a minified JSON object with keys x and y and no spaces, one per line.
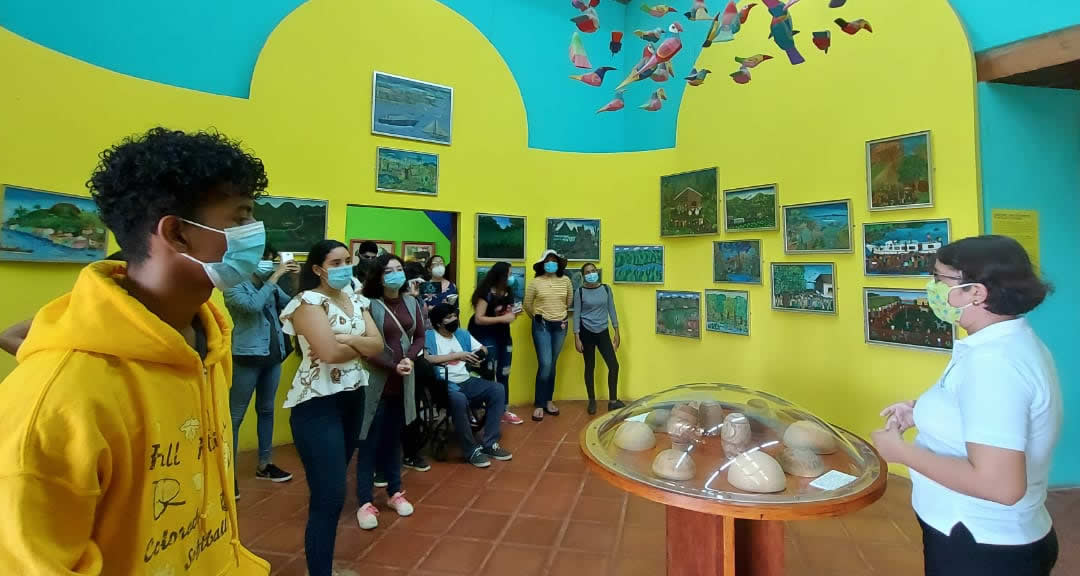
{"x":1027,"y":56}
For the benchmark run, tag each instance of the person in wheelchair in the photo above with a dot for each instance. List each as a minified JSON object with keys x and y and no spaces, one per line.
{"x":455,"y":350}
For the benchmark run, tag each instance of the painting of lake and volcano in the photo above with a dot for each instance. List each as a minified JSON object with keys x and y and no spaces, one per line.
{"x":411,"y":109}
{"x":819,"y":227}
{"x":50,"y":227}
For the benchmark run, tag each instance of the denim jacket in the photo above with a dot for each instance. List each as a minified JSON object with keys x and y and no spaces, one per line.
{"x":251,"y":328}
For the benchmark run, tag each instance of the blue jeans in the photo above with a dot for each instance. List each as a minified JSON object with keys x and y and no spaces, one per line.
{"x":548,"y":338}
{"x":476,"y":391}
{"x":325,"y":430}
{"x":381,"y":450}
{"x":263,"y":381}
{"x":502,"y":352}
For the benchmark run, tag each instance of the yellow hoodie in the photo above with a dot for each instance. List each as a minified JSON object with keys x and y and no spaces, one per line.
{"x":114,"y":453}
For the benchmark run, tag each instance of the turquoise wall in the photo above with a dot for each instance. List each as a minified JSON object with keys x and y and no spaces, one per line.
{"x":993,"y":23}
{"x":1031,"y":161}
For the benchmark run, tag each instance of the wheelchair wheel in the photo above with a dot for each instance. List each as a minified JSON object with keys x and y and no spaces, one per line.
{"x":427,"y":414}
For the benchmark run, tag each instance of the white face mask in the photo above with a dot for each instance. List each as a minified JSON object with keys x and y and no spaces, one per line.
{"x":437,"y":271}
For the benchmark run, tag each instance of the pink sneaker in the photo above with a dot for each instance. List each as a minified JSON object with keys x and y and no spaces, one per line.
{"x":368,"y":516}
{"x":400,"y":504}
{"x":509,"y":417}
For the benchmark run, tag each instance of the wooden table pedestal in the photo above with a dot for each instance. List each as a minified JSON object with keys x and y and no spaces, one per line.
{"x":700,"y":544}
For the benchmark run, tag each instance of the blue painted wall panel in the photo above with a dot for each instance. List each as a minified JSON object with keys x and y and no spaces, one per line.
{"x":993,"y":23}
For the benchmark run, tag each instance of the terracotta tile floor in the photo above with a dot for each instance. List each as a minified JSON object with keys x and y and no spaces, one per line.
{"x":543,"y":514}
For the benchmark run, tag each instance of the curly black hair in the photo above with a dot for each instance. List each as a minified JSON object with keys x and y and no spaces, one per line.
{"x":168,"y":173}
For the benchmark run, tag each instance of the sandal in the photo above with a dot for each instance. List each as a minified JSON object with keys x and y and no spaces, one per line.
{"x":538,"y":415}
{"x":549,"y":410}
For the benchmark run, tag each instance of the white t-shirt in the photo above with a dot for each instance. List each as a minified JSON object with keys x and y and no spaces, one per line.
{"x":1000,"y":389}
{"x":457,"y":371}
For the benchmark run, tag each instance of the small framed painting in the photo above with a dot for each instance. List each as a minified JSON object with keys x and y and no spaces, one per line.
{"x":903,"y":248}
{"x":500,"y":237}
{"x":639,"y":265}
{"x":411,"y":109}
{"x":406,"y":172}
{"x":41,"y":226}
{"x":818,"y":227}
{"x":804,"y":287}
{"x":727,"y":311}
{"x":417,"y":251}
{"x":688,"y":203}
{"x":385,"y":247}
{"x":577,"y":279}
{"x":904,"y":318}
{"x":737,"y":261}
{"x":751,"y":209}
{"x":577,"y":240}
{"x":678,"y":313}
{"x":292,"y":224}
{"x":518,"y":274}
{"x":900,"y":172}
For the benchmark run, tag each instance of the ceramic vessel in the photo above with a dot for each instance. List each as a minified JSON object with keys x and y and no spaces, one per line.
{"x":634,"y":436}
{"x":810,"y":435}
{"x":674,"y":465}
{"x":658,"y":419}
{"x":801,"y":462}
{"x":735,"y":434}
{"x":712,"y":419}
{"x":756,"y":472}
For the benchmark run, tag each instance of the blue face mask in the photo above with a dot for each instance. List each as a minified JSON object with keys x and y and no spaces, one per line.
{"x":244,"y":248}
{"x":265,"y":267}
{"x":592,"y":277}
{"x":340,"y":277}
{"x":394,"y":280}
{"x":510,"y":280}
{"x":551,"y":267}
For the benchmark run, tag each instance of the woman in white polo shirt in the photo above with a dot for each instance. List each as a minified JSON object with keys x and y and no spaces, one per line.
{"x":987,"y":429}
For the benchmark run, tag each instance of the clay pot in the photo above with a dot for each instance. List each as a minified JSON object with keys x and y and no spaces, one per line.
{"x":658,"y":419}
{"x":810,"y":435}
{"x":712,"y":419}
{"x":683,"y":424}
{"x":756,"y":472}
{"x":674,"y":465}
{"x":801,"y":462}
{"x":735,"y":434}
{"x":634,"y":436}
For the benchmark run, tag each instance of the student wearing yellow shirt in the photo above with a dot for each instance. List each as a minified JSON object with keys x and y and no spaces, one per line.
{"x":548,"y":300}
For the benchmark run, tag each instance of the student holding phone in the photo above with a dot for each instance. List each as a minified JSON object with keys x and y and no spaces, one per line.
{"x":495,"y":310}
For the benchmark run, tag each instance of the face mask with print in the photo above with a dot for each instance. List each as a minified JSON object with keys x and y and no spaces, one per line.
{"x":244,"y":248}
{"x":937,"y":295}
{"x":394,"y":280}
{"x":438,"y":271}
{"x":339,"y":277}
{"x":551,"y":267}
{"x":592,"y":277}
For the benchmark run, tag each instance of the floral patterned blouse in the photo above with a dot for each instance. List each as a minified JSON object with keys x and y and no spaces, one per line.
{"x":315,"y":378}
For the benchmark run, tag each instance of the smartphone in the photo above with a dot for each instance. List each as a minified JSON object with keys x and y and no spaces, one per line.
{"x":517,"y":308}
{"x":286,"y":256}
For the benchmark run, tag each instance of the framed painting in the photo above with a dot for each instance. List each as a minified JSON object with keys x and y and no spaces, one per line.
{"x":804,"y":287}
{"x":406,"y":171}
{"x":737,"y":261}
{"x":41,"y":226}
{"x":688,"y":203}
{"x":385,"y":247}
{"x":904,"y":318}
{"x":516,"y":272}
{"x":292,"y":224}
{"x":417,"y":251}
{"x":406,"y":108}
{"x":899,"y":172}
{"x":500,"y":237}
{"x":577,"y":240}
{"x":751,"y":209}
{"x":818,"y":227}
{"x":727,"y":312}
{"x":577,"y":279}
{"x":903,"y":248}
{"x":678,"y":313}
{"x":639,"y":265}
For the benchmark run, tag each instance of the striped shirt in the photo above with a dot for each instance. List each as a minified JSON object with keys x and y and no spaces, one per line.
{"x":550,"y":297}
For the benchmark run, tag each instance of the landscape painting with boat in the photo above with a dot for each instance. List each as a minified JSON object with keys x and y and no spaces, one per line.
{"x":49,"y":227}
{"x":411,"y":109}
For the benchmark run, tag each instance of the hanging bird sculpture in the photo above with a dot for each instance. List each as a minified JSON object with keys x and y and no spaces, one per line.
{"x":616,"y":104}
{"x":752,"y":61}
{"x":854,"y":26}
{"x":697,"y":77}
{"x":782,"y":30}
{"x":584,"y":5}
{"x":594,"y":78}
{"x":744,"y":12}
{"x":650,"y":36}
{"x":616,"y":43}
{"x":698,"y":11}
{"x":577,"y":52}
{"x":663,"y":72}
{"x":823,"y":40}
{"x":741,"y":76}
{"x":664,"y":52}
{"x":658,"y":11}
{"x":837,"y":3}
{"x":588,"y":22}
{"x":655,"y":102}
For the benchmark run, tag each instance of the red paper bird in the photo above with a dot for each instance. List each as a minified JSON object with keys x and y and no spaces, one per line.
{"x":588,"y":22}
{"x":584,"y":5}
{"x":741,"y":76}
{"x":616,"y":43}
{"x":594,"y":78}
{"x":617,"y":104}
{"x":854,"y":26}
{"x":744,"y":12}
{"x":823,"y":40}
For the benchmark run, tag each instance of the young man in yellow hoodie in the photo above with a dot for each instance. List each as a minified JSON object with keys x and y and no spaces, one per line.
{"x":115,"y":456}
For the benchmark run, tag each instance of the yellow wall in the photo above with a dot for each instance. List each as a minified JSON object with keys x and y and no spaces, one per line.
{"x":309,"y":116}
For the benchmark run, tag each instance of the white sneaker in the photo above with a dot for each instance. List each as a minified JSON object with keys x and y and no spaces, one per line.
{"x":368,"y":516}
{"x":400,"y":504}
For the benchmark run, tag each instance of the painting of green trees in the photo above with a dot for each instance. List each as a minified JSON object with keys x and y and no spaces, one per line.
{"x":500,"y":237}
{"x":727,"y":311}
{"x":639,"y":264}
{"x":899,"y":172}
{"x":749,"y":209}
{"x":678,"y":314}
{"x":688,"y":203}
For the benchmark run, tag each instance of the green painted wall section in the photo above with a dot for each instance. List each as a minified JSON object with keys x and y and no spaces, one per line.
{"x":396,"y":224}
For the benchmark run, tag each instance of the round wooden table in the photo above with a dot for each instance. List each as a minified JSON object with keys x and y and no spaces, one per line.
{"x":718,"y":535}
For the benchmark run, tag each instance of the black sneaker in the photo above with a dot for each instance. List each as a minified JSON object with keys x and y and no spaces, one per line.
{"x":479,"y":459}
{"x":615,"y":405}
{"x":273,"y":474}
{"x":592,"y":407}
{"x":416,"y":463}
{"x":498,"y":453}
{"x":380,"y":481}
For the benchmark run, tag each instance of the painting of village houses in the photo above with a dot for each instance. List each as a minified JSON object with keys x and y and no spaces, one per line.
{"x":904,"y":318}
{"x":688,"y":203}
{"x":49,"y":227}
{"x":749,"y":209}
{"x":678,"y":313}
{"x":737,"y":261}
{"x":576,"y":240}
{"x":406,"y":171}
{"x":903,"y":248}
{"x":804,"y":287}
{"x":727,"y":311}
{"x":899,"y":172}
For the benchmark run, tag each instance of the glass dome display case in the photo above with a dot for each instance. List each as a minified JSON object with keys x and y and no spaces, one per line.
{"x":732,"y":464}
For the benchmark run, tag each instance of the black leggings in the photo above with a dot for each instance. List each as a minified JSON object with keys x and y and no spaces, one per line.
{"x":590,"y":342}
{"x":958,"y":554}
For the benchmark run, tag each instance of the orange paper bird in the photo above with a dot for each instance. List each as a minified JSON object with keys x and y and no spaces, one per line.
{"x":594,"y":78}
{"x":752,"y":61}
{"x":655,"y":102}
{"x":650,"y":36}
{"x":741,"y":76}
{"x":854,"y":26}
{"x":658,"y":11}
{"x":584,"y":5}
{"x":588,"y":22}
{"x":744,"y":13}
{"x":616,"y":104}
{"x":698,"y":11}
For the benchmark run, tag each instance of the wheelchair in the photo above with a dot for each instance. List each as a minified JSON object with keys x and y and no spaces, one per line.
{"x":433,"y":408}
